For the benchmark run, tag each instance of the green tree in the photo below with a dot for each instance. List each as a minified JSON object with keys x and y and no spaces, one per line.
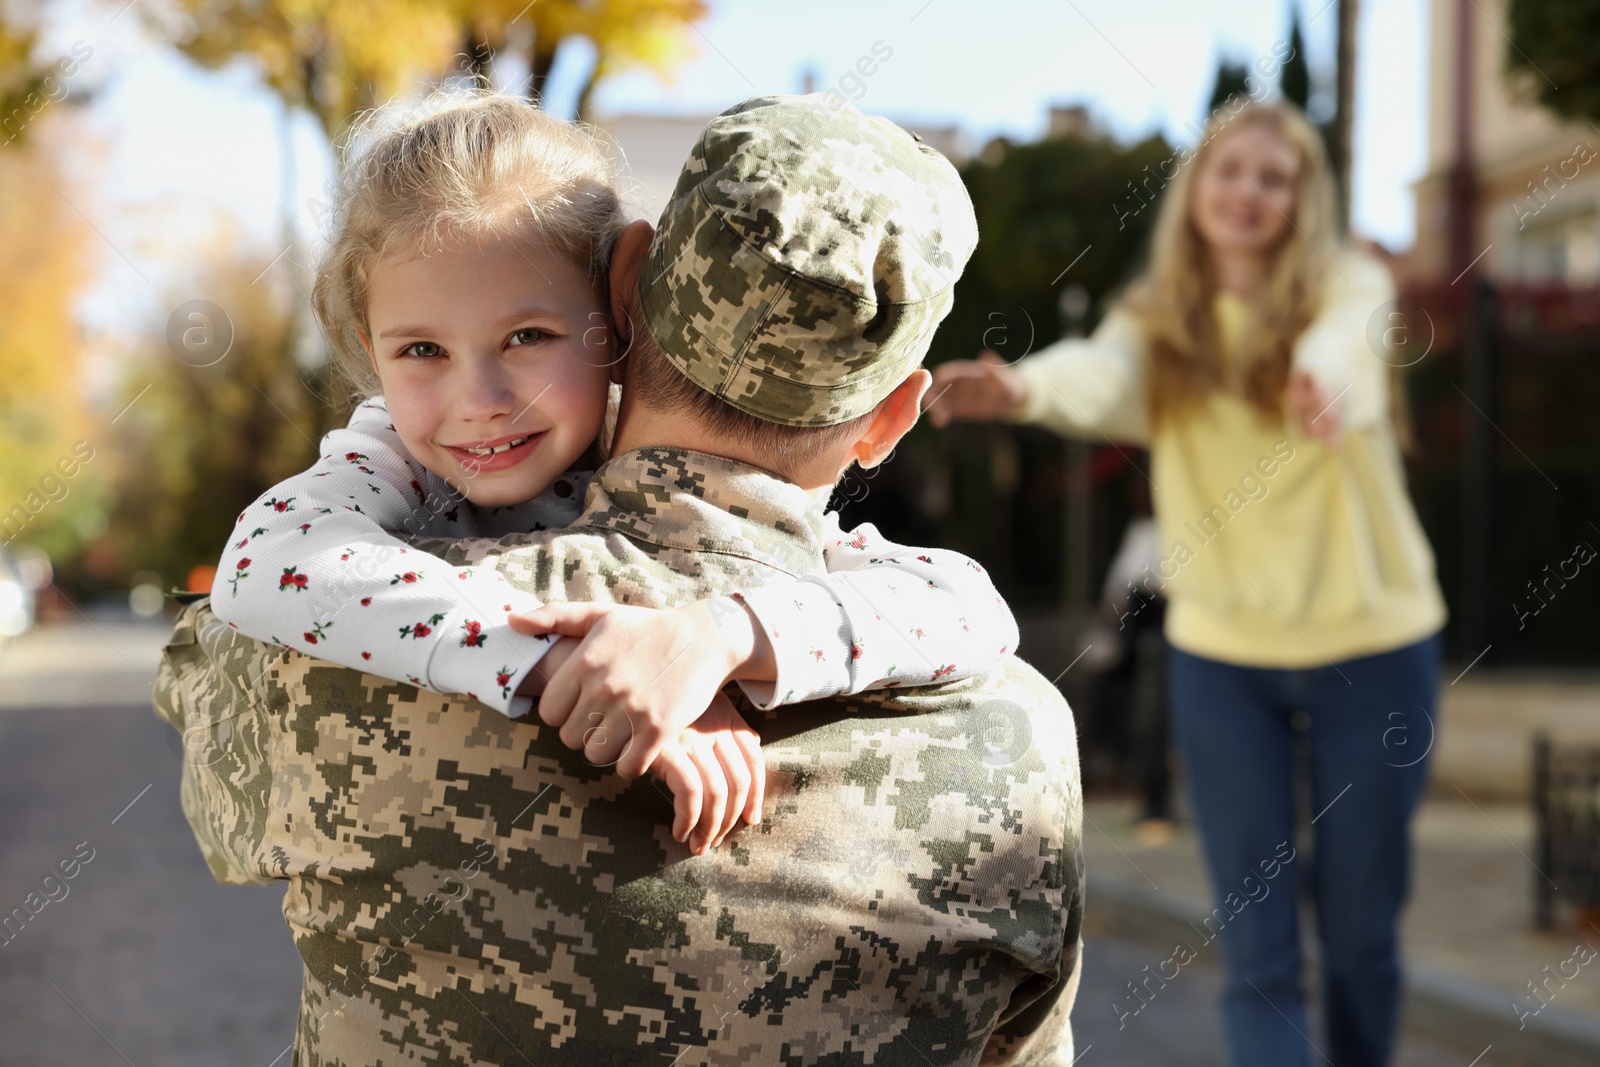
{"x":1294,"y":80}
{"x":1064,"y":223}
{"x":1233,"y":79}
{"x":1551,"y":55}
{"x":1039,"y":206}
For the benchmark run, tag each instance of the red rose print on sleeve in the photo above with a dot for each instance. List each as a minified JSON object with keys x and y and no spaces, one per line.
{"x":420,"y":630}
{"x":241,"y":570}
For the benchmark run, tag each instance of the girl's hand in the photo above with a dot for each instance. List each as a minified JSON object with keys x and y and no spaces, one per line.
{"x":717,"y":775}
{"x":983,"y":390}
{"x":641,"y":676}
{"x":1311,"y":408}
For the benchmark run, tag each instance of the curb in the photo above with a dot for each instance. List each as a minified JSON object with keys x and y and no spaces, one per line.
{"x":1442,"y":1008}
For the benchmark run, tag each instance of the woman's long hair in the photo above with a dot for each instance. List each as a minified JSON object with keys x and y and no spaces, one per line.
{"x":1173,"y":297}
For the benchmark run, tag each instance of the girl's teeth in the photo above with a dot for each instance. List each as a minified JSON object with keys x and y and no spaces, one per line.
{"x":496,"y":450}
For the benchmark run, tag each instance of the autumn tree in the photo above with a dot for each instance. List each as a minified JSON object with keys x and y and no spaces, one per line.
{"x":44,"y":260}
{"x":338,"y":57}
{"x":31,"y":81}
{"x":219,"y":413}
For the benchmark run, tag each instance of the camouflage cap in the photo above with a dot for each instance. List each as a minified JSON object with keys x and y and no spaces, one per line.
{"x":805,"y":258}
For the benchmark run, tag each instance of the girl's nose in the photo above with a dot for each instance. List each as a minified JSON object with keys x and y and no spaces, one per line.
{"x":485,"y":392}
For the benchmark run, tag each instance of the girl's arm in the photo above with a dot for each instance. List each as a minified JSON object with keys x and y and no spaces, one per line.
{"x":883,"y":615}
{"x":1336,"y":350}
{"x":312,"y":566}
{"x":1092,"y":387}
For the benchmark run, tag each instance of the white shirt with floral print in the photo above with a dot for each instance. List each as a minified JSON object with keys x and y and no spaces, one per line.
{"x":317,"y":564}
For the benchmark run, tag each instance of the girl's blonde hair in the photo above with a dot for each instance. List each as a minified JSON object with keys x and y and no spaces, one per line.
{"x":1173,"y":297}
{"x":463,"y":164}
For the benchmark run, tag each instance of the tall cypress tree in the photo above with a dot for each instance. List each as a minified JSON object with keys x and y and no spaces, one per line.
{"x":1233,"y":79}
{"x":1294,"y":80}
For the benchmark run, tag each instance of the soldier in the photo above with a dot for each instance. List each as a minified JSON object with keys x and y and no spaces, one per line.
{"x":465,"y":889}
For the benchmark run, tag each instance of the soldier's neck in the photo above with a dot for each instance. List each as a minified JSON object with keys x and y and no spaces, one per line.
{"x":640,"y":426}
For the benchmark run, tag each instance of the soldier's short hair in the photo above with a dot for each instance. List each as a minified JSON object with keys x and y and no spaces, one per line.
{"x":663,"y":387}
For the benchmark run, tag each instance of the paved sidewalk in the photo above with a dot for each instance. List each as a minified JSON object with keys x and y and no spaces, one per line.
{"x":102,"y":659}
{"x":1470,"y":945}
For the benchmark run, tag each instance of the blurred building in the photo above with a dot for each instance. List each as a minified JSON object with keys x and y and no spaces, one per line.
{"x":1070,"y":120}
{"x":1502,"y":174}
{"x":655,"y":147}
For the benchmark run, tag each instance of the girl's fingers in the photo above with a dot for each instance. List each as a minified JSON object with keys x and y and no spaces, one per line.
{"x":639,"y":751}
{"x":531,"y":623}
{"x":973,"y":390}
{"x":562,"y":688}
{"x":947,"y":378}
{"x":749,"y":743}
{"x":737,"y":772}
{"x":568,"y":620}
{"x":585,"y":716}
{"x":714,"y":808}
{"x":688,"y":790}
{"x":606,"y":741}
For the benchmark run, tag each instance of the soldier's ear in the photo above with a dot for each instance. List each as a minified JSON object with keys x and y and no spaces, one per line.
{"x":627,"y":262}
{"x":891,"y":420}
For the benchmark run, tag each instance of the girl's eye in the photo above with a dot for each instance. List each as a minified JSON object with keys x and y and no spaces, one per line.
{"x":527,"y":336}
{"x":422,"y":350}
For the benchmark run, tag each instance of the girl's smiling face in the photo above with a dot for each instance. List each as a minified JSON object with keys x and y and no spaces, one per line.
{"x":490,"y":345}
{"x":1244,"y":191}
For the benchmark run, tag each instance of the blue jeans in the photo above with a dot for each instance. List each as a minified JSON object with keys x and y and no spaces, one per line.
{"x":1371,"y":727}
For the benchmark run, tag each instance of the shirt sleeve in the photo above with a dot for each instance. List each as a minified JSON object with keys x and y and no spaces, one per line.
{"x":1336,"y":350}
{"x":312,"y":565}
{"x":1091,"y":387}
{"x":883,"y":615}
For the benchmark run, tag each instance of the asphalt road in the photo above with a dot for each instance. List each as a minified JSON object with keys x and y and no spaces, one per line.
{"x":145,"y":959}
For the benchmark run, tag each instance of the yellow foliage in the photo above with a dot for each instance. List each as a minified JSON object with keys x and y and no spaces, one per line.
{"x":203,"y":440}
{"x":43,"y":253}
{"x":333,"y":57}
{"x":338,"y":57}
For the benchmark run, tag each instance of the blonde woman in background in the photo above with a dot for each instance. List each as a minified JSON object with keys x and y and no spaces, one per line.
{"x":1301,"y":586}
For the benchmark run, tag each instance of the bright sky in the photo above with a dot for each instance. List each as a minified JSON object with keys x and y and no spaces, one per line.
{"x":186,"y":150}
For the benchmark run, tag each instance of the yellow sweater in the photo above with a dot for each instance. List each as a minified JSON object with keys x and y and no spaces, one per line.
{"x":1278,"y":551}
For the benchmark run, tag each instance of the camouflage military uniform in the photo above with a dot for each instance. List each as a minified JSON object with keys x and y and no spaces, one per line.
{"x":466,"y":890}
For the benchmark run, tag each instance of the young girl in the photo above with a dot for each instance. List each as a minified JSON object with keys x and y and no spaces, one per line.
{"x":1298,"y":579}
{"x":464,"y":292}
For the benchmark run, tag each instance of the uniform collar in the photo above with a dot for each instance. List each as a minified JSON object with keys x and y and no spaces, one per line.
{"x":695,"y":502}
